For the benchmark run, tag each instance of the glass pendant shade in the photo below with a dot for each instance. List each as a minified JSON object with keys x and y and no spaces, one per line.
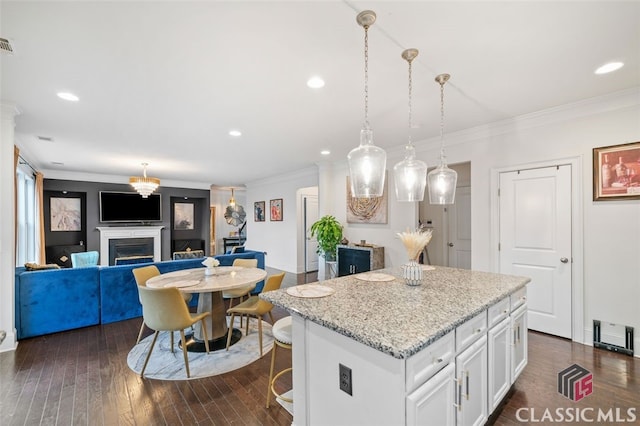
{"x":442,"y":185}
{"x":410,"y":177}
{"x":367,"y":162}
{"x":442,"y":180}
{"x":410,"y":174}
{"x":367,"y":165}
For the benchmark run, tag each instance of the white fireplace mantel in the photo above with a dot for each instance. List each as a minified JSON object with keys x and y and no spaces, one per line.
{"x":118,"y":232}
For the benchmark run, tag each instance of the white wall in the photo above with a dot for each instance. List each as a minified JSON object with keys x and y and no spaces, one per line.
{"x":611,"y":234}
{"x":278,"y":239}
{"x":7,"y":218}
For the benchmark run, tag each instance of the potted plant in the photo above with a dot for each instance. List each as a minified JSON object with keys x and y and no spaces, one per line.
{"x":328,"y":233}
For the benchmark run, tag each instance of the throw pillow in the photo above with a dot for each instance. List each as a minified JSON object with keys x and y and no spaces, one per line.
{"x":30,"y":266}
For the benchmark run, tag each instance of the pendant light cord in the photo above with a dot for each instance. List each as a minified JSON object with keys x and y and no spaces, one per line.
{"x":442,"y":122}
{"x":410,"y":90}
{"x":366,"y":76}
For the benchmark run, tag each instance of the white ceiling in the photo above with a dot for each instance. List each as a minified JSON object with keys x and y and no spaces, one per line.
{"x":163,"y":82}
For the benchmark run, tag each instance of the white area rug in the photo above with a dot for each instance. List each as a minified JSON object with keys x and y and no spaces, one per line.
{"x":167,"y":365}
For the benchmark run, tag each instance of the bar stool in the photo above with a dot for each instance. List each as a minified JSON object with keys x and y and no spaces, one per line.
{"x":282,"y":338}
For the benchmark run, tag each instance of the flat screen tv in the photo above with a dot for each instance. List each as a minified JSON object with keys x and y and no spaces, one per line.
{"x":129,"y":207}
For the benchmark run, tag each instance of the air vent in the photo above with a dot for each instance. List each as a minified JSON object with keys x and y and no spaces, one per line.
{"x":45,"y":138}
{"x":5,"y":46}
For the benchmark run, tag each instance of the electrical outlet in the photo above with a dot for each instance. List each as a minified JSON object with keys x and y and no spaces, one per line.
{"x":345,"y":379}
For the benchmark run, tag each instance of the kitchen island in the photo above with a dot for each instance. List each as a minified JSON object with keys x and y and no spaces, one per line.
{"x":379,"y":352}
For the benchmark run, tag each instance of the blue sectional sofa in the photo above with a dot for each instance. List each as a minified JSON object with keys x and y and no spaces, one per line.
{"x":55,"y":300}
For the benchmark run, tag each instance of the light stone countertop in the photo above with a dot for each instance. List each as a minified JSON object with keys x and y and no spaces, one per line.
{"x":398,"y":319}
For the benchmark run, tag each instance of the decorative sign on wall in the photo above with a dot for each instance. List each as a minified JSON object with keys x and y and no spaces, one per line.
{"x":616,"y":172}
{"x":183,"y":219}
{"x":367,"y":210}
{"x":66,"y":214}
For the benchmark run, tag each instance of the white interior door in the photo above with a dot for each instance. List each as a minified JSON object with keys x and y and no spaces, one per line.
{"x":311,"y":244}
{"x":535,"y":241}
{"x":459,"y":229}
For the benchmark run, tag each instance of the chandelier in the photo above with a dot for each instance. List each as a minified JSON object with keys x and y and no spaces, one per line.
{"x":367,"y":162}
{"x":442,"y":180}
{"x":410,"y":174}
{"x":144,"y":185}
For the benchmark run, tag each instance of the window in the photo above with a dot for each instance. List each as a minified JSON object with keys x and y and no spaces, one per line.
{"x":26,"y":216}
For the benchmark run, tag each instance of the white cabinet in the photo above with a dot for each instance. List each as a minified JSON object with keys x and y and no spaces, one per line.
{"x":499,"y":346}
{"x":471,"y":376}
{"x":519,"y":356}
{"x":433,"y":402}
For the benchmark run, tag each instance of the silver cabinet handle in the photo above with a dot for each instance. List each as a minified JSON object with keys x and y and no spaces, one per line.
{"x":564,"y":260}
{"x":467,"y":372}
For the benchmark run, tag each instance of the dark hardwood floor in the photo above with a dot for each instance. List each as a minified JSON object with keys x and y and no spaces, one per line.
{"x":81,"y":377}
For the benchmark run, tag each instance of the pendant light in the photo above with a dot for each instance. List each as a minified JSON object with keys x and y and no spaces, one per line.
{"x":367,"y":162}
{"x":442,"y":180}
{"x":410,"y":174}
{"x":144,"y":185}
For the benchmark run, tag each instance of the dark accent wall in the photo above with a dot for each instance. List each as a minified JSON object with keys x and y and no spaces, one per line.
{"x":91,"y":212}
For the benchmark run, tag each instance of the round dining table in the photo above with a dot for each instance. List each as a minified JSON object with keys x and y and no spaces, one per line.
{"x":210,"y":288}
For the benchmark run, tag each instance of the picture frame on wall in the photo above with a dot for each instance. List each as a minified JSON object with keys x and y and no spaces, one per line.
{"x":183,"y":217}
{"x":258,"y":211}
{"x":65,"y":214}
{"x":616,"y":172}
{"x":275,"y":208}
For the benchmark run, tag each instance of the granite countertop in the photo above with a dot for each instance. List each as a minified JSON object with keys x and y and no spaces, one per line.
{"x":395,"y":318}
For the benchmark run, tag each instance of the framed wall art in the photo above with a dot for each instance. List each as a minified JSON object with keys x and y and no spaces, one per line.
{"x":183,"y":218}
{"x":258,"y":211}
{"x":367,"y":210}
{"x":275,"y":206}
{"x":66,"y":214}
{"x":616,"y":172}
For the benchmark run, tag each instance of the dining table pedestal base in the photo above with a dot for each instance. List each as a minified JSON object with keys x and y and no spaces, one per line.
{"x":196,"y":345}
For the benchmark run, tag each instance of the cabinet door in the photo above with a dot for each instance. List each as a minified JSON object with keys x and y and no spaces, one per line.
{"x":433,"y":402}
{"x":471,"y":375}
{"x":353,"y":261}
{"x":519,"y":355}
{"x":499,"y":362}
{"x":361,"y":261}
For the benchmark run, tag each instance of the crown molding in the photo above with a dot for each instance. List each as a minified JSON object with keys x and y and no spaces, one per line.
{"x":309,"y":172}
{"x":124,"y":180}
{"x":621,"y":100}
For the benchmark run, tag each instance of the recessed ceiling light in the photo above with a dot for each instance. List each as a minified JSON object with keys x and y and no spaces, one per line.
{"x":610,"y":67}
{"x":325,"y":152}
{"x":235,"y":133}
{"x":315,"y":82}
{"x":68,"y":96}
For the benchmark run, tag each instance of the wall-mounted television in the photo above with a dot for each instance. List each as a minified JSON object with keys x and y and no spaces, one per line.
{"x":129,"y":207}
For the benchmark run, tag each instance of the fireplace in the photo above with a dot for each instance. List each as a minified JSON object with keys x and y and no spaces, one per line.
{"x":126,"y":247}
{"x":130,"y":241}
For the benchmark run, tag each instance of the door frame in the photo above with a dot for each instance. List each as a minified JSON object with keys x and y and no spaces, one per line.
{"x":577,"y":233}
